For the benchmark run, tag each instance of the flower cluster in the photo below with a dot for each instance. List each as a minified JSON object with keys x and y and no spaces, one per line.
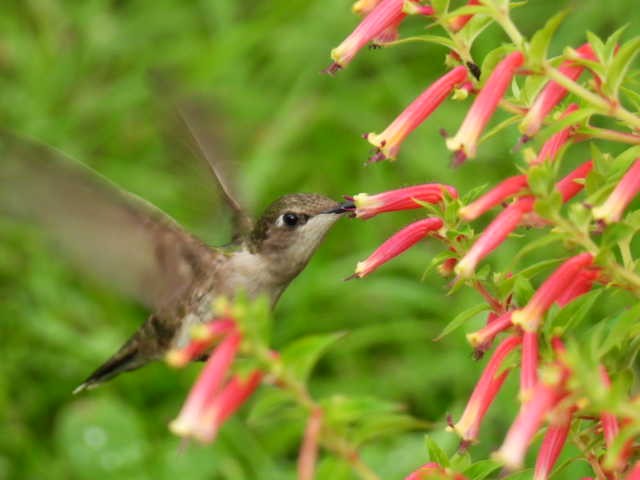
{"x":366,"y":206}
{"x":213,"y":398}
{"x":553,"y":392}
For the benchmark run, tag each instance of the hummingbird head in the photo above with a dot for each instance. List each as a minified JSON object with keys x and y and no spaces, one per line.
{"x":291,"y":229}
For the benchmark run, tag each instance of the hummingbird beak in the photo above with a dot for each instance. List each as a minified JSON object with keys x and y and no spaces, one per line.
{"x":343,"y":207}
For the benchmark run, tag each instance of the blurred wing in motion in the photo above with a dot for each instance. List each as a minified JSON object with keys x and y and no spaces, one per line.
{"x":207,"y":145}
{"x":109,"y":233}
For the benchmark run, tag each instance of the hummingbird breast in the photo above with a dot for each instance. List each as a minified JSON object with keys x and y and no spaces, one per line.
{"x":241,"y":271}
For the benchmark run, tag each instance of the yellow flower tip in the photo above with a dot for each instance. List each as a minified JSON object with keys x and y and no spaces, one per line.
{"x":361,"y":269}
{"x":410,"y":8}
{"x":460,"y":94}
{"x":503,"y":458}
{"x":465,"y":268}
{"x":454,"y":144}
{"x":473,"y":339}
{"x":525,"y":319}
{"x":466,"y":214}
{"x":176,"y":358}
{"x":602,"y":213}
{"x":376,"y":140}
{"x":179,"y":428}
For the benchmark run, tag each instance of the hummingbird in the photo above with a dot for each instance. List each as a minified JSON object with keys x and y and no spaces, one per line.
{"x":123,"y":240}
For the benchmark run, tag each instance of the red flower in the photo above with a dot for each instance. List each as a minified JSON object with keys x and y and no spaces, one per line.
{"x":494,"y":197}
{"x":492,"y":236}
{"x":434,"y":471}
{"x":387,"y":13}
{"x":612,"y":209}
{"x":483,"y":337}
{"x":551,"y":147}
{"x":634,"y":473}
{"x":572,"y":184}
{"x":396,"y":244}
{"x":204,"y":336}
{"x":544,"y":396}
{"x":529,"y":364}
{"x":388,"y":142}
{"x":368,"y":206}
{"x":530,"y":317}
{"x":485,"y":391}
{"x":464,"y":143}
{"x":459,"y":22}
{"x":553,"y":93}
{"x":552,"y":444}
{"x":205,"y":393}
{"x":580,"y":285}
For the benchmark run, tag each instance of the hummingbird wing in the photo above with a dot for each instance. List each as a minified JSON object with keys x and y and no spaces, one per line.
{"x":109,"y":233}
{"x":208,"y":146}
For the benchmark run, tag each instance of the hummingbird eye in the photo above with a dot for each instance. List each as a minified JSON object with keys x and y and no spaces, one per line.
{"x":290,"y":219}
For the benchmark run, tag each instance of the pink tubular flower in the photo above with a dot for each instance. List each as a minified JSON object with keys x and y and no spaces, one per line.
{"x":492,"y":236}
{"x":232,"y":396}
{"x":571,"y":185}
{"x":552,"y":445}
{"x":205,"y":336}
{"x":364,"y":7}
{"x":612,"y":209}
{"x":407,"y":198}
{"x":456,"y":24}
{"x":396,"y":244}
{"x":464,"y":143}
{"x":434,"y":471}
{"x":205,"y":391}
{"x":494,"y":197}
{"x":388,"y":142}
{"x":530,"y":317}
{"x":580,"y":285}
{"x":551,"y":147}
{"x":553,"y":93}
{"x":485,"y":391}
{"x":529,"y":364}
{"x":610,"y":426}
{"x":385,"y":14}
{"x":634,"y":473}
{"x":544,"y":396}
{"x":483,"y":337}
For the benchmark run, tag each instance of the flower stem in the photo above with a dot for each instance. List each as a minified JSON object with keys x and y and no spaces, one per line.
{"x":605,"y":106}
{"x":329,"y":438}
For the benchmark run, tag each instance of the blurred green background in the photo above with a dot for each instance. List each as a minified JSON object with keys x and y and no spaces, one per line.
{"x":76,"y":75}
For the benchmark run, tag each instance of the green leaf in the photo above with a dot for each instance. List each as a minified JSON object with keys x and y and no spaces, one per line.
{"x":611,"y":45}
{"x":385,"y":425}
{"x":574,"y":118}
{"x":300,"y":357}
{"x":440,"y":6}
{"x":474,"y":27}
{"x":435,"y":39}
{"x":481,"y":470}
{"x":541,"y":39}
{"x":436,"y":454}
{"x":491,"y":59}
{"x":620,"y":329}
{"x":619,"y":67}
{"x":574,"y":313}
{"x":461,"y":319}
{"x":270,"y":404}
{"x":597,"y":44}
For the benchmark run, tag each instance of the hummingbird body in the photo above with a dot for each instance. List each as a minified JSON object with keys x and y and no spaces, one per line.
{"x":138,"y":249}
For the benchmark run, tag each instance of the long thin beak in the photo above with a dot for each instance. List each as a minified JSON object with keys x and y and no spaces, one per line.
{"x":344,"y":207}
